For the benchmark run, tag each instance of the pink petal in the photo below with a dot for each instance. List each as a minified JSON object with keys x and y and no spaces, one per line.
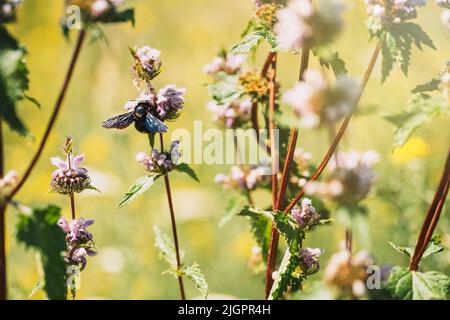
{"x":77,"y":160}
{"x":61,"y":164}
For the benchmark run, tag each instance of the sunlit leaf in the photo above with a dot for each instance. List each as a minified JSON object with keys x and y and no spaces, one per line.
{"x":40,"y":232}
{"x":141,"y":185}
{"x":185,"y":168}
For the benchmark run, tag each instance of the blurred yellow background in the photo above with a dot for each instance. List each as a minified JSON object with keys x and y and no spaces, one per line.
{"x":189,"y":34}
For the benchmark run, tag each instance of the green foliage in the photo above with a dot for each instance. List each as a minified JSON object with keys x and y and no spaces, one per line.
{"x":232,"y":208}
{"x":260,"y":226}
{"x":331,"y":60}
{"x":166,"y":248}
{"x":421,"y":109}
{"x":410,"y":285}
{"x":225,"y":89}
{"x":194,"y":273}
{"x":258,"y":30}
{"x":120,"y":17}
{"x":432,"y":85}
{"x":40,"y":232}
{"x":432,"y":248}
{"x":13,"y":80}
{"x":168,"y":254}
{"x":141,"y":185}
{"x":396,"y":44}
{"x":288,"y":275}
{"x":185,"y":168}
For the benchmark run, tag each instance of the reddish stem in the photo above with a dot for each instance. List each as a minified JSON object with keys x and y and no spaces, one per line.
{"x":3,"y":286}
{"x":432,"y":217}
{"x":174,"y":226}
{"x":271,"y":259}
{"x":339,"y":134}
{"x":54,"y":116}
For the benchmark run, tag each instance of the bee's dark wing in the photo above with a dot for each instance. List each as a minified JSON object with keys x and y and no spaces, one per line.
{"x":119,"y":122}
{"x":153,"y":124}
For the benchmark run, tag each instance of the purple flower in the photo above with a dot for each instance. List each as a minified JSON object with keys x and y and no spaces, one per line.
{"x":229,"y":63}
{"x":69,"y":177}
{"x":160,"y":162}
{"x":169,"y":100}
{"x":148,"y":57}
{"x":80,"y":242}
{"x":309,"y":260}
{"x":306,"y":215}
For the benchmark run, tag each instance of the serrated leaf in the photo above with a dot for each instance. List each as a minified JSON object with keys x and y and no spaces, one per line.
{"x":141,"y":185}
{"x":165,"y":245}
{"x":408,"y":251}
{"x":119,"y":16}
{"x":13,"y":80}
{"x":430,"y":285}
{"x":225,"y":89}
{"x":232,"y":208}
{"x":194,"y":273}
{"x":260,"y":226}
{"x":399,"y":284}
{"x":185,"y":168}
{"x":396,"y":43}
{"x":432,"y":85}
{"x":40,"y":232}
{"x":420,"y":110}
{"x":287,"y":275}
{"x":432,"y":248}
{"x":406,"y":285}
{"x":331,"y":59}
{"x":248,"y":44}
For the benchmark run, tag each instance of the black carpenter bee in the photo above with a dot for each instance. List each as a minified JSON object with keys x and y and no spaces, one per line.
{"x":144,"y":121}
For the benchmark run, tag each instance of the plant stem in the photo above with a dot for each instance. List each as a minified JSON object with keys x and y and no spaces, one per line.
{"x":72,"y":206}
{"x":274,"y":237}
{"x":56,"y":109}
{"x":3,"y":286}
{"x":273,"y":247}
{"x":339,"y":133}
{"x":432,"y":216}
{"x":174,"y":226}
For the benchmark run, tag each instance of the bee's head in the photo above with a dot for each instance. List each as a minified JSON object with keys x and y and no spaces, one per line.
{"x":140,"y":111}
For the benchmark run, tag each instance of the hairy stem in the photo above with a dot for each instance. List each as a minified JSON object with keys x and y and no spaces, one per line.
{"x":271,"y":258}
{"x":432,"y":216}
{"x":174,"y":226}
{"x":3,"y":286}
{"x":54,"y":116}
{"x":339,"y":133}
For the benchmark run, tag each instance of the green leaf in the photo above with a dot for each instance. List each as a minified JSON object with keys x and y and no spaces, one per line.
{"x":141,"y":185}
{"x":399,"y":284}
{"x":432,"y":248}
{"x":260,"y":226}
{"x":408,"y":251}
{"x":185,"y":168}
{"x":248,"y":44}
{"x":396,"y":43}
{"x":287,"y":275}
{"x":40,"y":232}
{"x":420,"y":110}
{"x":13,"y":80}
{"x":406,"y":285}
{"x":430,"y":285}
{"x":166,"y":248}
{"x":232,"y":208}
{"x":194,"y":273}
{"x":225,"y":89}
{"x":120,"y":16}
{"x":331,"y":59}
{"x":432,"y":85}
